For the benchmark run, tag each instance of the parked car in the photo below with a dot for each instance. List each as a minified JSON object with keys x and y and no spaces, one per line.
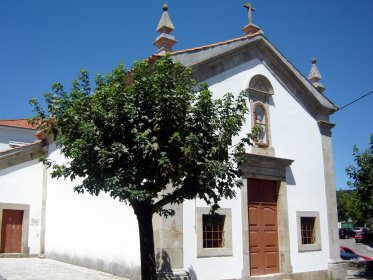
{"x":349,"y":254}
{"x":345,"y":233}
{"x":356,"y":229}
{"x":363,"y":236}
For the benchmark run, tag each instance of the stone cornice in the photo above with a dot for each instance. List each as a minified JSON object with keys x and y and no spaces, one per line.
{"x":260,"y":166}
{"x":22,"y":154}
{"x":325,"y":128}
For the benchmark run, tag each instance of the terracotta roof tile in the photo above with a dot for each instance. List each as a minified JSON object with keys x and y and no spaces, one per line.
{"x":17,"y":123}
{"x":154,"y":57}
{"x":217,"y":44}
{"x":158,"y":55}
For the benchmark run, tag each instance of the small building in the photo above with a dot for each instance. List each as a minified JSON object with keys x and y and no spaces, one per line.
{"x":21,"y":184}
{"x":282,"y":223}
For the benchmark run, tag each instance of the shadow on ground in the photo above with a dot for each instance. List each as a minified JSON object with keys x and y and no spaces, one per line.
{"x":360,"y":275}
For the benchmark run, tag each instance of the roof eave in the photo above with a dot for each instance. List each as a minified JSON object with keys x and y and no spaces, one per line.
{"x":15,"y":156}
{"x":326,"y":102}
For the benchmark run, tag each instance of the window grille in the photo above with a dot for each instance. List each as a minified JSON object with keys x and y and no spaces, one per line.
{"x":308,"y":230}
{"x":213,"y":231}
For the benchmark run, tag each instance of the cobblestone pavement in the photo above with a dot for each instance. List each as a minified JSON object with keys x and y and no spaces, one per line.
{"x":46,"y":269}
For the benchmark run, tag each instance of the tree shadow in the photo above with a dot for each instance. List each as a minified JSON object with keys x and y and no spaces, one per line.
{"x":164,"y":268}
{"x":192,"y":273}
{"x":163,"y":262}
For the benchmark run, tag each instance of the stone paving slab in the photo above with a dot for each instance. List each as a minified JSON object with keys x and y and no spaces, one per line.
{"x":359,"y":274}
{"x":47,"y":269}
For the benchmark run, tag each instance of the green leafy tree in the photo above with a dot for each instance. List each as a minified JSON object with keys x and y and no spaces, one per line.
{"x":348,"y":209}
{"x":150,"y":137}
{"x":361,"y":176}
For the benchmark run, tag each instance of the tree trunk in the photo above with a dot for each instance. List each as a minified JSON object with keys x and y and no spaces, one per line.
{"x":144,"y":213}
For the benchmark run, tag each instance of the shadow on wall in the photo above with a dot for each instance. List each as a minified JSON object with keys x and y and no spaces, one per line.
{"x":164,"y":268}
{"x":289,"y":177}
{"x":163,"y":262}
{"x":192,"y":273}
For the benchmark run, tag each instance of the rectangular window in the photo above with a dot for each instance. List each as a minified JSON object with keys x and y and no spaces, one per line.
{"x":308,"y":227}
{"x":213,"y":231}
{"x":308,"y":230}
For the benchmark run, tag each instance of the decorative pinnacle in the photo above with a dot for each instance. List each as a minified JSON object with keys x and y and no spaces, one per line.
{"x":165,"y":41}
{"x":314,"y":76}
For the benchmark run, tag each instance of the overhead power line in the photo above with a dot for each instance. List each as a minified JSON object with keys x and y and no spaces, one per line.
{"x":361,"y":97}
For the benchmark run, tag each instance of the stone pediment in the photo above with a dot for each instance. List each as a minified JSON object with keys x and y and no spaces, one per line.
{"x":211,"y":60}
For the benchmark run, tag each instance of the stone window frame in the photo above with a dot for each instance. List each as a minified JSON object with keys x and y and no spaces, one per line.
{"x":316,"y":246}
{"x":25,"y":222}
{"x":214,"y":252}
{"x":261,"y":97}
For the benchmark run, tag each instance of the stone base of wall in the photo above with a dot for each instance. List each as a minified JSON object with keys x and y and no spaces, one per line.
{"x":174,"y":275}
{"x":18,"y":255}
{"x":309,"y":275}
{"x":338,"y":270}
{"x":117,"y":268}
{"x":319,"y":274}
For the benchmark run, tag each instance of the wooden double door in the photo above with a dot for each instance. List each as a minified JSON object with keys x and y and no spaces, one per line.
{"x":11,"y":231}
{"x":263,"y":230}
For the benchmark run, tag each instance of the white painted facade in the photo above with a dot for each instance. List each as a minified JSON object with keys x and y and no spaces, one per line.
{"x":295,"y":135}
{"x":92,"y":231}
{"x":22,"y":184}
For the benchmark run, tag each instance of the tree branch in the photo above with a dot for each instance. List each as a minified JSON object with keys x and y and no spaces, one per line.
{"x":169,"y":198}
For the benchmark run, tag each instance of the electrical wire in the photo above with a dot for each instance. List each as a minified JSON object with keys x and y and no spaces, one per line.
{"x":361,"y":97}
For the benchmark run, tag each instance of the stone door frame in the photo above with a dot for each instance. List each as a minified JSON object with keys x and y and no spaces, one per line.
{"x":25,"y":222}
{"x":267,"y":168}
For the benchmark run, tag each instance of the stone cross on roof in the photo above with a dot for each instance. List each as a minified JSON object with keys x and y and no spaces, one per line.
{"x":251,"y":28}
{"x":250,"y":9}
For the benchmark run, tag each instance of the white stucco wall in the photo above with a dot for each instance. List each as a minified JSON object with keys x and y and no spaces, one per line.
{"x":294,"y":135}
{"x":22,"y":184}
{"x":212,"y":268}
{"x":93,"y":231}
{"x":8,"y":134}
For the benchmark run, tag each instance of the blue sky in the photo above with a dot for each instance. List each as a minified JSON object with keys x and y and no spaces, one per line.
{"x":43,"y":41}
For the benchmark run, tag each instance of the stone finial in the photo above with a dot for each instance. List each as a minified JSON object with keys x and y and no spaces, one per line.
{"x":165,"y":41}
{"x":250,"y":28}
{"x":314,"y":77}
